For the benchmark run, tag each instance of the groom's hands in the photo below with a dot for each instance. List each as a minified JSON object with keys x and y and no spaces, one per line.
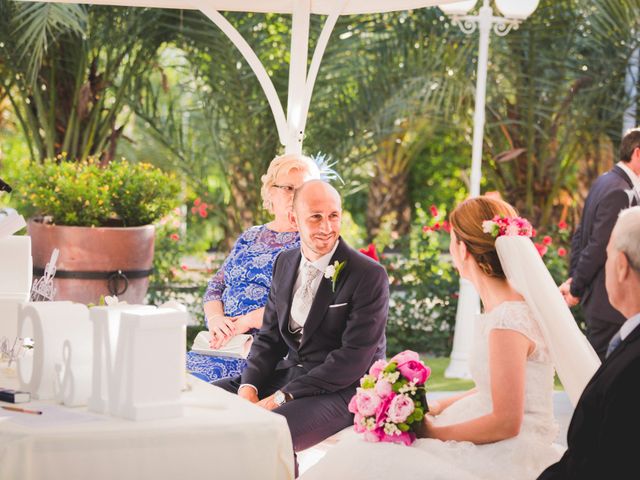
{"x":249,"y":393}
{"x":565,"y":290}
{"x":268,"y":403}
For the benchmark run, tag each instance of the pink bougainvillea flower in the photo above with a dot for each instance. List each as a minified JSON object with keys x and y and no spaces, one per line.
{"x":547,"y":240}
{"x":542,"y":249}
{"x":434,"y":210}
{"x":370,"y":252}
{"x":562,"y":251}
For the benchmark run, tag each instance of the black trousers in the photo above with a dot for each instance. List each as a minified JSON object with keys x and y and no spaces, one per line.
{"x":310,"y":419}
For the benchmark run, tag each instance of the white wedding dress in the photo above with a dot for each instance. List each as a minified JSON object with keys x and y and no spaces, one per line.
{"x":519,"y":458}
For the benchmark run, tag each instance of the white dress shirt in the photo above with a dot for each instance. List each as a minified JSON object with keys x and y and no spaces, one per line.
{"x":629,"y":326}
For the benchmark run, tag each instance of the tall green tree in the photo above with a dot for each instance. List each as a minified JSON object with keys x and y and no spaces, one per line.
{"x":556,"y":98}
{"x":68,"y":71}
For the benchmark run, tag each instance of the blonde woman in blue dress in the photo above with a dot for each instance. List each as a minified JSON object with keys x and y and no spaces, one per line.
{"x":503,"y":428}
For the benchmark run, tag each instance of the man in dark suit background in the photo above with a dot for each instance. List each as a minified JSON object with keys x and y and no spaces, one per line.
{"x":321,"y":330}
{"x":603,"y":434}
{"x":609,"y":194}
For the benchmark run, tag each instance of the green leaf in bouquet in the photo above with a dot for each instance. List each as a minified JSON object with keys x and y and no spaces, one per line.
{"x":399,"y":384}
{"x":368,"y":381}
{"x":390,"y":368}
{"x":403,"y":427}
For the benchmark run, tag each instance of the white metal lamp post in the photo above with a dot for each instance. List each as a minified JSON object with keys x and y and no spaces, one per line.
{"x":514,"y":12}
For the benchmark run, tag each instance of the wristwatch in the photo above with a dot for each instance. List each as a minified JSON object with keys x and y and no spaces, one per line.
{"x":280,"y":397}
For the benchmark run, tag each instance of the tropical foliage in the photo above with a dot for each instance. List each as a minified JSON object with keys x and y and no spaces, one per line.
{"x":393,"y":106}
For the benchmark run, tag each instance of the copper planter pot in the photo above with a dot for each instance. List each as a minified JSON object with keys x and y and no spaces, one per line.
{"x":97,"y":255}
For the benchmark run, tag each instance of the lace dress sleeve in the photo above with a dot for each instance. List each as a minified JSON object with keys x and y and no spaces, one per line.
{"x":517,"y":316}
{"x":216,"y":285}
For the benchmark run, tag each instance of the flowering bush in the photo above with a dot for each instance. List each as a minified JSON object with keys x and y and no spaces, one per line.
{"x":424,"y":288}
{"x":390,"y":403}
{"x":90,"y":195}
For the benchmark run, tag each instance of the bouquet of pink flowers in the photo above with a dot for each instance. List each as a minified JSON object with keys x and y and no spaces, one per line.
{"x":390,"y":403}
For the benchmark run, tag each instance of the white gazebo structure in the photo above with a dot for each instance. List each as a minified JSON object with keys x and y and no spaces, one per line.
{"x":291,"y":126}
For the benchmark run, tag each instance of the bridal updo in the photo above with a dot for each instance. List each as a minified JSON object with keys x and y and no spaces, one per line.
{"x":466,"y":222}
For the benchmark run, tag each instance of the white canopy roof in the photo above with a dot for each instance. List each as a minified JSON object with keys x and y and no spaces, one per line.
{"x":291,"y":125}
{"x":322,"y":7}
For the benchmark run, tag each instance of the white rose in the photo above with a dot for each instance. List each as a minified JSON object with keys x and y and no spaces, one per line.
{"x":329,"y":271}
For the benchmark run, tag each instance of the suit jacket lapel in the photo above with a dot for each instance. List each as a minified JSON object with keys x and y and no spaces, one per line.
{"x":324,"y":295}
{"x":621,"y":173}
{"x":284,"y":302}
{"x":632,"y":337}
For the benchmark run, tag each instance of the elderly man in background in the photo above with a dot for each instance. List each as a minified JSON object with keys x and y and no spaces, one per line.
{"x":610,"y":193}
{"x":602,"y":438}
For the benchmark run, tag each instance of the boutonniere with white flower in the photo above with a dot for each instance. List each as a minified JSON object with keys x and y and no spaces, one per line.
{"x":333,"y":271}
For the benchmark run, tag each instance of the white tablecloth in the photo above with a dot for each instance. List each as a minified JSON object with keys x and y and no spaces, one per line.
{"x":220,"y":436}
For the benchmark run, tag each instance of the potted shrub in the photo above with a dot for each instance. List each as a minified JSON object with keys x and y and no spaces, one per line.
{"x":101,"y":219}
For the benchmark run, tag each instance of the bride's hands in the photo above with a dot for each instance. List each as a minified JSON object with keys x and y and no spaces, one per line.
{"x":435,"y":408}
{"x":425,"y":429}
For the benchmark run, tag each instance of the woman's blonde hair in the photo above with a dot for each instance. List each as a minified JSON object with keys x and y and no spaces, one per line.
{"x":282,"y":165}
{"x":466,"y":222}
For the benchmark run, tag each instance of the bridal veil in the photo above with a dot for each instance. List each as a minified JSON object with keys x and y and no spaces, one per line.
{"x":573,"y":357}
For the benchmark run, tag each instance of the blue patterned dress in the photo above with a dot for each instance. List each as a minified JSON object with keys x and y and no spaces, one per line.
{"x":242,"y":285}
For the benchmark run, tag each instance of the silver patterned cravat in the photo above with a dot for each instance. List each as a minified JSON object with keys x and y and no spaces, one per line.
{"x":303,"y":297}
{"x":613,"y":344}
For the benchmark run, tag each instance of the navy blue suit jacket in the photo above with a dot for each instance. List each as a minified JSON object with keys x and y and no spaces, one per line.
{"x":603,"y":435}
{"x":343,"y":335}
{"x":606,"y":199}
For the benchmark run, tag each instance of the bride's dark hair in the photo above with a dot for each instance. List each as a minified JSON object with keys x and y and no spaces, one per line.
{"x":466,"y":222}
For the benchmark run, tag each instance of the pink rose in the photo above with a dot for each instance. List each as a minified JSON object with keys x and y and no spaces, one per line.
{"x":400,"y":408}
{"x":405,"y":356}
{"x":383,"y":388}
{"x":373,"y":435}
{"x":358,"y":423}
{"x":405,"y":437}
{"x":377,"y":368}
{"x":513,"y":230}
{"x":414,"y":370}
{"x":383,"y":407}
{"x":367,"y":402}
{"x":353,"y":405}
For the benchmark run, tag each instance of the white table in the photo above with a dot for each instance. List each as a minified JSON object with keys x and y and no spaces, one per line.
{"x":220,"y":436}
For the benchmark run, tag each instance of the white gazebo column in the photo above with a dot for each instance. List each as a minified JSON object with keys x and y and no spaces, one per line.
{"x":514,"y":12}
{"x":297,"y":74}
{"x":631,"y":91}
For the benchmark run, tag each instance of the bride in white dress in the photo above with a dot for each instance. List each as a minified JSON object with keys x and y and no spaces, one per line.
{"x":503,"y":428}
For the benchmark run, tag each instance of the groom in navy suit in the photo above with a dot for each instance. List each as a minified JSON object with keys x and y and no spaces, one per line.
{"x":603,"y":435}
{"x":324,"y":324}
{"x":609,"y":194}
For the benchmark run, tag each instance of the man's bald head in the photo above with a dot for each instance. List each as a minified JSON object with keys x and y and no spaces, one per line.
{"x":317,"y":214}
{"x":315,"y":189}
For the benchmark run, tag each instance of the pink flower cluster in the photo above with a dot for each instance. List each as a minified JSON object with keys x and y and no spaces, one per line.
{"x":511,"y":226}
{"x":391,"y":402}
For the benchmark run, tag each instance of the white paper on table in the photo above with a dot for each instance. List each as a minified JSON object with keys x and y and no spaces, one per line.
{"x":237,"y":347}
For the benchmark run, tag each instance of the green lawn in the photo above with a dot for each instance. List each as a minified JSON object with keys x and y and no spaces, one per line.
{"x":438,"y":383}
